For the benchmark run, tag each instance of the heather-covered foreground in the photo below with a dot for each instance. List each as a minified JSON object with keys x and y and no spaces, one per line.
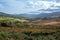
{"x":29,"y":34}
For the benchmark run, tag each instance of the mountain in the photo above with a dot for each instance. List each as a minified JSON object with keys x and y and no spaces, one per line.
{"x":29,"y":16}
{"x":32,"y":15}
{"x":52,"y":10}
{"x":7,"y":15}
{"x":4,"y":14}
{"x":49,"y":15}
{"x":12,"y":15}
{"x":40,"y":15}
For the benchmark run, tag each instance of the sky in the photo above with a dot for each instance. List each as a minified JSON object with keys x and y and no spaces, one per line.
{"x":26,"y":6}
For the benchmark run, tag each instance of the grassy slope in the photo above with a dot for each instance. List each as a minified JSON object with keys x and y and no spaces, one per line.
{"x":12,"y":22}
{"x":11,"y":19}
{"x":25,"y":29}
{"x":8,"y":33}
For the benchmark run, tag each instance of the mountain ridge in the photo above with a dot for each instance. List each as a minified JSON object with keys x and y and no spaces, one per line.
{"x":29,"y":16}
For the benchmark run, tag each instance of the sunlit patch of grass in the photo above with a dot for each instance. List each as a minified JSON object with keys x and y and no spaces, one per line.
{"x":12,"y":19}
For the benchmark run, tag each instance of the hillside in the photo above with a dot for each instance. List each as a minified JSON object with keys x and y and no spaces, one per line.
{"x":12,"y":28}
{"x":5,"y":14}
{"x":10,"y":15}
{"x":45,"y":19}
{"x":31,"y":15}
{"x":11,"y":22}
{"x":50,"y":23}
{"x":49,"y":15}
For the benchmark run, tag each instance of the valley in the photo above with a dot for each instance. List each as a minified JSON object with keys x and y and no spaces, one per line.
{"x":29,"y":19}
{"x":20,"y":28}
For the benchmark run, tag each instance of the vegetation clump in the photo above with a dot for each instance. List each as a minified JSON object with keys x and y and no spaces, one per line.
{"x":25,"y":35}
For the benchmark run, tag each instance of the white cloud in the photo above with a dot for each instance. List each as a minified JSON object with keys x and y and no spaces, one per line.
{"x":44,"y":4}
{"x":14,"y":6}
{"x":57,"y":4}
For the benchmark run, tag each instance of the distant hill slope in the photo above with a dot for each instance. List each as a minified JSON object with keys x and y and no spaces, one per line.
{"x":4,"y":14}
{"x":49,"y":15}
{"x":51,"y":23}
{"x":9,"y":15}
{"x":40,"y":15}
{"x":32,"y":16}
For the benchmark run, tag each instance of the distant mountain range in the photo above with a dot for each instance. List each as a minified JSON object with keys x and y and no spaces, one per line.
{"x":40,"y":15}
{"x":49,"y":15}
{"x":4,"y":14}
{"x":9,"y":15}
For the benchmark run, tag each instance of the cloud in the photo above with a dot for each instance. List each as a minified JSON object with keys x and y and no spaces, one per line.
{"x":14,"y":6}
{"x":25,"y":6}
{"x":44,"y":4}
